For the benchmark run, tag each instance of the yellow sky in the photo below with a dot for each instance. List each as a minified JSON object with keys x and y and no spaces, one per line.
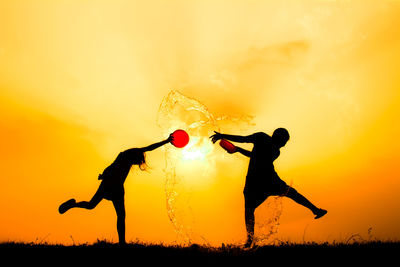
{"x":81,"y":81}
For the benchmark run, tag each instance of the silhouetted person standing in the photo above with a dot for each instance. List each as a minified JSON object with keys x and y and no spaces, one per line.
{"x":112,"y":184}
{"x":262,"y":181}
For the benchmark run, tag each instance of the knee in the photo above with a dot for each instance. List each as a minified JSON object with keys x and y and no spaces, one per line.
{"x":293,"y":194}
{"x":291,"y":191}
{"x":91,"y":205}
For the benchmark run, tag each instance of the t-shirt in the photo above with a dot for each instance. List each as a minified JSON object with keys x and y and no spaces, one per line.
{"x":261,"y":167}
{"x":119,"y":169}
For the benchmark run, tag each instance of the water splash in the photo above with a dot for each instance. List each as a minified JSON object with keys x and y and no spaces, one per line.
{"x":181,"y":112}
{"x":267,"y":220}
{"x":178,"y":111}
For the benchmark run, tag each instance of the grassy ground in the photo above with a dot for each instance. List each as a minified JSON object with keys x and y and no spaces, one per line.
{"x":133,"y":253}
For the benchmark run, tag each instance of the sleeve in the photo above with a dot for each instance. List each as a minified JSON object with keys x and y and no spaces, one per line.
{"x":256,"y":137}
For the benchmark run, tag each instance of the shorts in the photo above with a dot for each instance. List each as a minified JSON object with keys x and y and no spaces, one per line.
{"x":110,"y":190}
{"x":256,"y":194}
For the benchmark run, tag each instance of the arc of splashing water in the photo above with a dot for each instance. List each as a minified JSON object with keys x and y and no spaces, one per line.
{"x":165,"y":121}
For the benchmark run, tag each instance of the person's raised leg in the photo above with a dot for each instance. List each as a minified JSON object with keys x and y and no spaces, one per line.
{"x":119,"y":205}
{"x":300,"y":199}
{"x":98,"y":196}
{"x":83,"y":204}
{"x":66,"y":206}
{"x":90,"y":204}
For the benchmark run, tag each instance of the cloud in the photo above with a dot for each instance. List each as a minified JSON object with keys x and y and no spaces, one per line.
{"x":273,"y":55}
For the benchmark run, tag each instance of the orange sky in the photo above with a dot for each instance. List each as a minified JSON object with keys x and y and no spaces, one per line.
{"x":81,"y":81}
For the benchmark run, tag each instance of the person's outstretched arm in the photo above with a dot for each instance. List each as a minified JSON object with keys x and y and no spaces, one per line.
{"x":243,"y":151}
{"x":157,"y":145}
{"x":234,"y":138}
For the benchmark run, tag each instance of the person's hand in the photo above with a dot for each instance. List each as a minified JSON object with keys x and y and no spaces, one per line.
{"x":231,"y":152}
{"x":170,"y":138}
{"x":215,"y":137}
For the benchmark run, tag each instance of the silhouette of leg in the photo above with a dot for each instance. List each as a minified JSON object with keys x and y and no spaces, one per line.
{"x":64,"y":207}
{"x":119,"y":205}
{"x":249,"y":218}
{"x":300,"y":199}
{"x":252,"y":199}
{"x":90,"y":204}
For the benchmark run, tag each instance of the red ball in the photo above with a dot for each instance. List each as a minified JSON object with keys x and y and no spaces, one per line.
{"x":228,"y":146}
{"x":181,"y":138}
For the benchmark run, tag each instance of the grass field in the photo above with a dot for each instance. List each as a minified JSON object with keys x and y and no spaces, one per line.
{"x":152,"y":254}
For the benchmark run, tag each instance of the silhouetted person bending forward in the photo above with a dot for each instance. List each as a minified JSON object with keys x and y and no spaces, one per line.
{"x":112,"y":184}
{"x":262,"y":181}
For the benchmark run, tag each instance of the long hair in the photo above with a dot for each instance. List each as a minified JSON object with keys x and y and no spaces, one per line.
{"x":143,"y":165}
{"x":138,"y":157}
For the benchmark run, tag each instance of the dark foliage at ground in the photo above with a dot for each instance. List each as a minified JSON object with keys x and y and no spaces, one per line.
{"x":153,"y":254}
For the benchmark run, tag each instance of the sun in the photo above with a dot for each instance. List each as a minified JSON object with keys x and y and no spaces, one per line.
{"x":198,"y":149}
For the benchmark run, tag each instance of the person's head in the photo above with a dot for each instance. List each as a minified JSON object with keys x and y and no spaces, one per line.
{"x":280,"y":137}
{"x":139,"y":158}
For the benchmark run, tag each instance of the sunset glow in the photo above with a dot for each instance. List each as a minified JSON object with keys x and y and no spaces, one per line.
{"x":81,"y":81}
